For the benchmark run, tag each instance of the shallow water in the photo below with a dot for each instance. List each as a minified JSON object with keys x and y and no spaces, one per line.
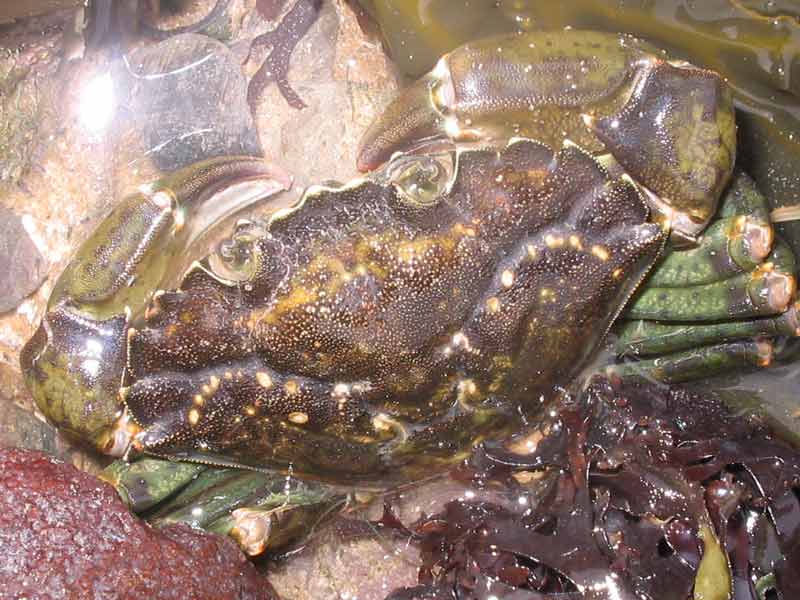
{"x":755,"y":44}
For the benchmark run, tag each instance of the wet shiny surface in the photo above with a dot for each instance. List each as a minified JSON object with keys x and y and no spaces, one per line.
{"x":754,"y":45}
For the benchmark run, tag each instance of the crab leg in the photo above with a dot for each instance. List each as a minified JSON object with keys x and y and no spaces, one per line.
{"x":226,"y":492}
{"x":767,"y":290}
{"x":273,"y":524}
{"x":148,"y":481}
{"x":652,"y":337}
{"x":743,"y":198}
{"x":700,"y":362}
{"x":75,"y":361}
{"x":258,"y":510}
{"x":729,"y":246}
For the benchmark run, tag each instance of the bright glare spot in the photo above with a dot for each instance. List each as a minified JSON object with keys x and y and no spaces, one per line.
{"x":91,"y":367}
{"x":94,"y":348}
{"x":97,"y":103}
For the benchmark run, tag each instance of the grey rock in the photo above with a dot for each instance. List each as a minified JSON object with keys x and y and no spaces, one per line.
{"x":185,"y":99}
{"x":22,"y":267}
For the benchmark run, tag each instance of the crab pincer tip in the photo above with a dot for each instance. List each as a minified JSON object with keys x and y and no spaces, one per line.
{"x":759,"y":238}
{"x":765,"y":352}
{"x":781,"y":288}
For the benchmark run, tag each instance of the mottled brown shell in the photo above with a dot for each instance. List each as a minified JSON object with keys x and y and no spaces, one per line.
{"x":377,"y":332}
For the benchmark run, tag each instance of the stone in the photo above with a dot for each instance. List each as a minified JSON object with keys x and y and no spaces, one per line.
{"x":22,"y":267}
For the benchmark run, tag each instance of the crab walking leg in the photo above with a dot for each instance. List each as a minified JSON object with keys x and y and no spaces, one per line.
{"x":743,"y":198}
{"x":700,"y":362}
{"x":147,"y":482}
{"x":642,"y":338}
{"x":238,"y":488}
{"x":732,"y":245}
{"x":768,"y":290}
{"x":210,"y":478}
{"x":74,"y":363}
{"x":218,"y":492}
{"x":276,"y":521}
{"x":260,"y":511}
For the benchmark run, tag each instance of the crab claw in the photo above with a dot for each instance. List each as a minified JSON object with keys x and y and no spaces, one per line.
{"x":75,"y":362}
{"x":414,"y":119}
{"x":676,"y":135}
{"x":669,"y":125}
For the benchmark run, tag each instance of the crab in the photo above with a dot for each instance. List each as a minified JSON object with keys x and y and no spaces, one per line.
{"x":515,"y":200}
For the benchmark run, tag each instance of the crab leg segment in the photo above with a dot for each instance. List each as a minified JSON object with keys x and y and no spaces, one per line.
{"x":654,"y":337}
{"x":74,"y":363}
{"x":697,"y":363}
{"x":768,"y":290}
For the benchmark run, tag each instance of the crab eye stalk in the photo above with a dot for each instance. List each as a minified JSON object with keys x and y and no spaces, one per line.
{"x":419,"y":181}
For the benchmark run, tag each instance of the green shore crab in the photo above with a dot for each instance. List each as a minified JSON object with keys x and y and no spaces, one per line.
{"x":385,"y":325}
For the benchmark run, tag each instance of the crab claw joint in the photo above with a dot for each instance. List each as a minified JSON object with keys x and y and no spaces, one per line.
{"x":669,"y":125}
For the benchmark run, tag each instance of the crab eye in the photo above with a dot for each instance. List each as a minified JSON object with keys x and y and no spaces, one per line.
{"x":237,"y":258}
{"x":420,"y":181}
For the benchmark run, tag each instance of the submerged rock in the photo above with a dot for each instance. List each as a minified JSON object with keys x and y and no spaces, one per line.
{"x":184,"y":100}
{"x":22,"y":267}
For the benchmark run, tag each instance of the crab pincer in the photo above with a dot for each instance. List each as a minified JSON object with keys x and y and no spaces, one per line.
{"x":75,"y":361}
{"x":668,"y":124}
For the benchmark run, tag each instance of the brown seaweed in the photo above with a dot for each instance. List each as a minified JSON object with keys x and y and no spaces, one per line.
{"x":637,"y":470}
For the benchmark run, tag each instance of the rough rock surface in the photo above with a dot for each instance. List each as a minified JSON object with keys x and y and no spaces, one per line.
{"x":22,"y":267}
{"x":66,"y":534}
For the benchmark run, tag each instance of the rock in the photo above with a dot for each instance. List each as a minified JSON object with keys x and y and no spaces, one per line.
{"x":66,"y":534}
{"x":185,"y":100}
{"x":22,"y":267}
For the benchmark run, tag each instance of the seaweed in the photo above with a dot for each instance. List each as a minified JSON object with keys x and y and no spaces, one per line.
{"x":637,"y":472}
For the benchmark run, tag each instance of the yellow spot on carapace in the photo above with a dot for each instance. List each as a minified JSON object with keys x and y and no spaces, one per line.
{"x":493,"y":304}
{"x":298,"y":418}
{"x":383,"y":422}
{"x":291,"y":387}
{"x":213,"y":382}
{"x":299,"y":296}
{"x":553,"y":241}
{"x":199,"y":400}
{"x":575,"y":242}
{"x":616,"y":273}
{"x":264,"y":380}
{"x":467,"y":389}
{"x":546,"y":293}
{"x":507,"y":278}
{"x":194,"y":416}
{"x":250,"y":410}
{"x":532,"y":251}
{"x":600,"y":252}
{"x":228,"y":375}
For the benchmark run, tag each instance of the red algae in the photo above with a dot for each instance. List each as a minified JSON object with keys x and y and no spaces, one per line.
{"x":66,"y":534}
{"x":631,"y":473}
